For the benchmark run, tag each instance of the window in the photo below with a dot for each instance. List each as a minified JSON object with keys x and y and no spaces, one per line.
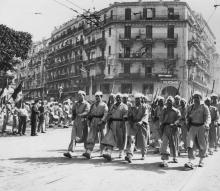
{"x":127,"y":31}
{"x":148,"y":88}
{"x":109,"y":69}
{"x":170,"y":13}
{"x":111,"y":15}
{"x":109,"y":50}
{"x":170,"y":51}
{"x":127,"y":68}
{"x":148,"y":51}
{"x":104,"y":18}
{"x":170,"y":31}
{"x":148,"y":71}
{"x":105,"y":88}
{"x":149,"y":31}
{"x":148,"y":13}
{"x":127,"y":14}
{"x":109,"y":32}
{"x":127,"y":52}
{"x":126,"y":88}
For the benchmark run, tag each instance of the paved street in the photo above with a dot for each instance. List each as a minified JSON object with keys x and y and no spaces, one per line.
{"x":36,"y":163}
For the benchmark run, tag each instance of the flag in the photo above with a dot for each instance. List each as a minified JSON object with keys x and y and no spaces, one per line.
{"x":16,"y":91}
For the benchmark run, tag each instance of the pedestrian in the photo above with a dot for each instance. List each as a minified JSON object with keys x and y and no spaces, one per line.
{"x":198,"y":120}
{"x":41,"y":123}
{"x":137,"y":128}
{"x":22,"y":114}
{"x":97,"y":120}
{"x":34,"y":117}
{"x":79,"y":133}
{"x":115,"y":136}
{"x":169,"y":128}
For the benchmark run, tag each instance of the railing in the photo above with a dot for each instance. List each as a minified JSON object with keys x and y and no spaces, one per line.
{"x":139,"y":17}
{"x":158,"y":55}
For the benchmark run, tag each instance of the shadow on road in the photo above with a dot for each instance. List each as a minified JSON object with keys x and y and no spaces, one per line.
{"x":96,"y":161}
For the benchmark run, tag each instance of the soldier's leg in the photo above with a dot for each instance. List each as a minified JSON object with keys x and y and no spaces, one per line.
{"x":164,"y":150}
{"x":130,"y":148}
{"x":184,"y":135}
{"x":202,"y":141}
{"x":174,"y":144}
{"x":211,"y":138}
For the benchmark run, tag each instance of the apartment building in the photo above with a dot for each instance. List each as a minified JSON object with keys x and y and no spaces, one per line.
{"x":135,"y":47}
{"x":32,"y":71}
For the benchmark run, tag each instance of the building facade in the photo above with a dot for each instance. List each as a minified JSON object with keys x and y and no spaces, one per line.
{"x":32,"y":71}
{"x":158,"y":46}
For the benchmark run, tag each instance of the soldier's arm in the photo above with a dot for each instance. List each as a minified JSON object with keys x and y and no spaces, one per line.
{"x":178,"y":117}
{"x":125,"y":112}
{"x":145,"y":115}
{"x":207,"y":116}
{"x":86,"y":110}
{"x":104,"y":118}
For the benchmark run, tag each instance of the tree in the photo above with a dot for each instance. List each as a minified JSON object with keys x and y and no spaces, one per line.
{"x":14,"y":46}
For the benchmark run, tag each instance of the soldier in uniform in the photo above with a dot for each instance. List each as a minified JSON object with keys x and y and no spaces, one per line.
{"x":214,"y":102}
{"x":212,"y":134}
{"x":198,"y":120}
{"x":177,"y":100}
{"x":97,"y":120}
{"x":183,"y":111}
{"x":156,"y":134}
{"x":137,"y":128}
{"x":115,"y":136}
{"x":80,"y":112}
{"x":169,"y":127}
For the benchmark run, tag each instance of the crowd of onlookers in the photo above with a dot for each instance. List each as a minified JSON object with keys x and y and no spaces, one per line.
{"x":39,"y":115}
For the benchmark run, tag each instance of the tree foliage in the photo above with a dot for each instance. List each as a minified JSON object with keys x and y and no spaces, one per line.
{"x":13,"y":45}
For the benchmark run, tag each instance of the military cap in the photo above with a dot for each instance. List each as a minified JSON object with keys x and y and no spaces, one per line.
{"x":99,"y":93}
{"x":82,"y":92}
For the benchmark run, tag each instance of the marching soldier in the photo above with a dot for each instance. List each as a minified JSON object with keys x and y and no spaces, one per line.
{"x":177,"y":100}
{"x":34,"y":117}
{"x":79,"y":130}
{"x":198,"y":120}
{"x":156,"y":123}
{"x":138,"y":128}
{"x":183,"y":111}
{"x":97,"y":119}
{"x":169,"y":119}
{"x":212,"y":135}
{"x":214,"y":100}
{"x":115,"y":136}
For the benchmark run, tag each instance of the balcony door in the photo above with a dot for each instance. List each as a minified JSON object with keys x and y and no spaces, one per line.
{"x":149,"y":31}
{"x":127,"y":32}
{"x":170,"y":31}
{"x":127,"y":14}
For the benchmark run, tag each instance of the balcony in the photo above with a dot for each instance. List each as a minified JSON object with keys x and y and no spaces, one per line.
{"x":101,"y":42}
{"x":139,"y":17}
{"x":138,"y":75}
{"x":147,"y":57}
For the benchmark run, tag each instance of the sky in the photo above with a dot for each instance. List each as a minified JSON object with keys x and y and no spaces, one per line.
{"x":21,"y":14}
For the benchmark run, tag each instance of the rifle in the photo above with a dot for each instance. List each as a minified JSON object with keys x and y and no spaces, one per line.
{"x":213,"y":85}
{"x":178,"y":90}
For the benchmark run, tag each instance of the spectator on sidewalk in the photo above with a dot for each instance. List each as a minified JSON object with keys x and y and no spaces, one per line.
{"x":34,"y":117}
{"x":41,"y":123}
{"x":22,"y":115}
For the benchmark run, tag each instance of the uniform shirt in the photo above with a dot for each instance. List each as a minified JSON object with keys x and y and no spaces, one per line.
{"x":81,"y":108}
{"x":99,"y":109}
{"x":139,"y":113}
{"x":118,"y":111}
{"x":214,"y":113}
{"x":199,"y":115}
{"x":170,"y":116}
